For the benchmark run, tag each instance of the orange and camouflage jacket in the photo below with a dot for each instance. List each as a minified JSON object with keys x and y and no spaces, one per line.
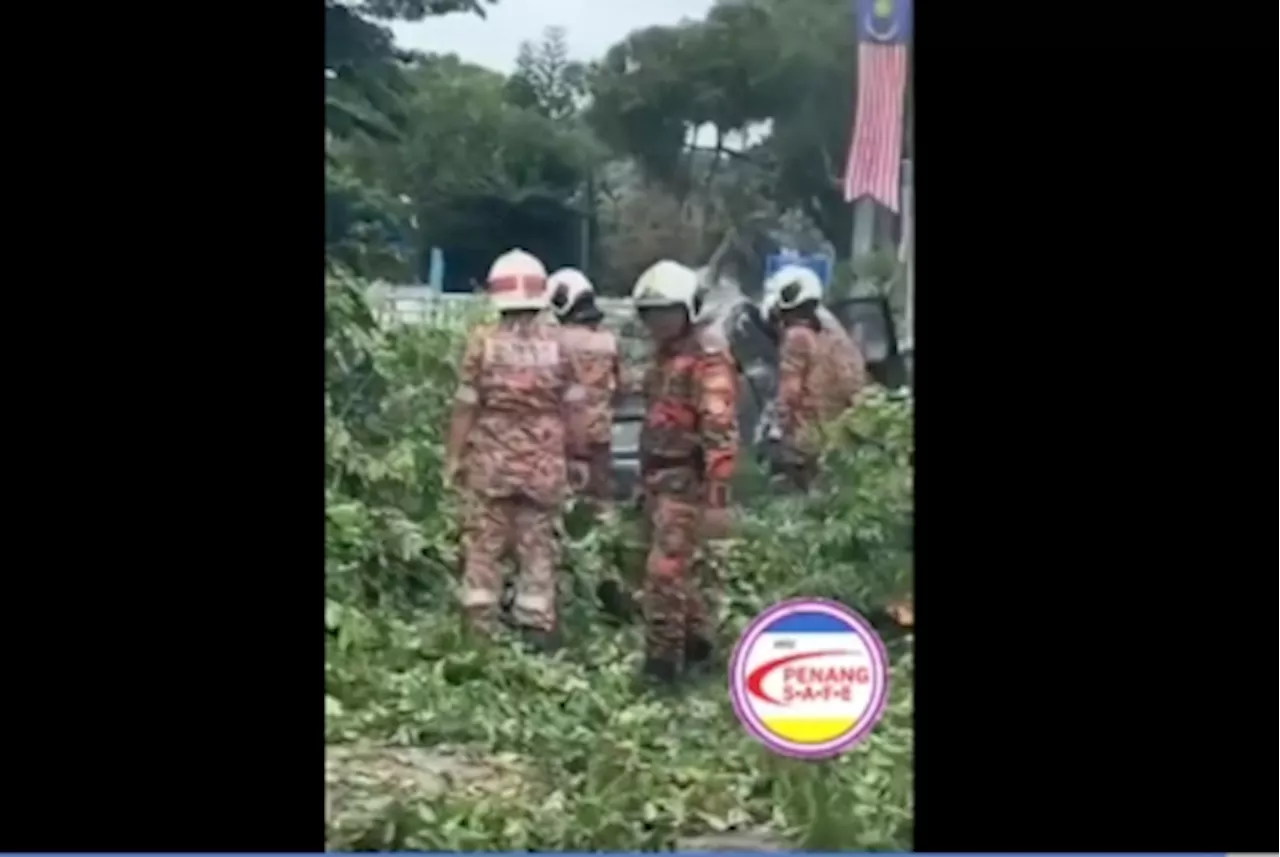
{"x":595,"y":355}
{"x":820,"y":372}
{"x":520,"y":377}
{"x":689,"y":441}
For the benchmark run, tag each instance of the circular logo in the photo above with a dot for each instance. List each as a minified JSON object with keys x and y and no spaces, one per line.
{"x":809,"y":678}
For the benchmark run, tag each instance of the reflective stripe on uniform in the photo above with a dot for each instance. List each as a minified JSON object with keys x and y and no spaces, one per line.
{"x":536,"y":603}
{"x":477,"y":597}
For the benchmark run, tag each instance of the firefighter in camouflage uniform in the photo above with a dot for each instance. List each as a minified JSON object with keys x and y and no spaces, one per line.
{"x":595,"y":353}
{"x":688,"y":450}
{"x":509,"y":440}
{"x":820,"y":371}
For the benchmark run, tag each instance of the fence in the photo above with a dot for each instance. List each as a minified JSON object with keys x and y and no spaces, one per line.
{"x":416,"y":304}
{"x":419,"y":304}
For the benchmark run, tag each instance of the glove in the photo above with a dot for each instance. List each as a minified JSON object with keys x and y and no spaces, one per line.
{"x":716,"y":524}
{"x":718,"y":549}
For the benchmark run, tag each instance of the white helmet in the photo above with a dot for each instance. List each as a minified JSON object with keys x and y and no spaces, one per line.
{"x":566,"y":286}
{"x":788,"y":288}
{"x":667,"y":284}
{"x":517,"y":281}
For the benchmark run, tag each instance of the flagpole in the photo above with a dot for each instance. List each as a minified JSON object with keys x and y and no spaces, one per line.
{"x":909,"y":203}
{"x":864,"y":228}
{"x":907,"y":252}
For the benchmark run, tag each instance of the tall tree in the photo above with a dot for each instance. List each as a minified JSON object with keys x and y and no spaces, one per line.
{"x":482,"y":172}
{"x":365,"y":92}
{"x":363,"y":69}
{"x":363,"y":81}
{"x":416,"y":10}
{"x":546,"y":80}
{"x":783,"y":70}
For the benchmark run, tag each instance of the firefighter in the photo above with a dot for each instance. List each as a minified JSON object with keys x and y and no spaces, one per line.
{"x":820,"y":371}
{"x":688,"y":450}
{"x":596,"y":354}
{"x":509,"y":439}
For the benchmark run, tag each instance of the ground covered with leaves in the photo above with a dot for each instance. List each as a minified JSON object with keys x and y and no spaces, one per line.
{"x":437,"y":743}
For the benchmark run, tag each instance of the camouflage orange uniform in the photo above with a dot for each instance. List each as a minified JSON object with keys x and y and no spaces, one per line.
{"x":688,"y":451}
{"x":519,"y":377}
{"x":820,"y":372}
{"x":595,"y":354}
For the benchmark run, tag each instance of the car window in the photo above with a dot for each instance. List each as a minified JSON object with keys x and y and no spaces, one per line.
{"x":626,"y":435}
{"x":866,"y":323}
{"x":634,"y":345}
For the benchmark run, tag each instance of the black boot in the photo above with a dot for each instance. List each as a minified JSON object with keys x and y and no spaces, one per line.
{"x":659,"y":675}
{"x":540,"y":641}
{"x":615,"y":601}
{"x":698,"y":653}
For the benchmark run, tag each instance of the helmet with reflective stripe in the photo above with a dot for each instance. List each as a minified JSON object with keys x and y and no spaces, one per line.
{"x":517,"y":281}
{"x":789,"y":288}
{"x":668,"y":284}
{"x":567,"y":286}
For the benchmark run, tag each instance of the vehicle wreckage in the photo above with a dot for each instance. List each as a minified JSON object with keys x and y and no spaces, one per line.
{"x":755,"y":349}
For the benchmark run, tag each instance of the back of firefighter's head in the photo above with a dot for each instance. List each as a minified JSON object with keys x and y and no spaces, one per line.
{"x":573,"y":298}
{"x":668,"y":298}
{"x":517,"y":283}
{"x":792,"y":295}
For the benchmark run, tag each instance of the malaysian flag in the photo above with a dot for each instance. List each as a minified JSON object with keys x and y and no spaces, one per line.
{"x":875,"y":151}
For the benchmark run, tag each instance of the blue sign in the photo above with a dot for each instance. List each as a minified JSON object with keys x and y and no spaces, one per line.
{"x":819,"y":263}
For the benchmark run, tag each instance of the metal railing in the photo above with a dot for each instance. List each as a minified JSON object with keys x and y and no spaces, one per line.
{"x":422,"y":304}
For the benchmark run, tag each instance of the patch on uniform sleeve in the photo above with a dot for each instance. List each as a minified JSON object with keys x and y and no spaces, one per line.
{"x":719,"y":389}
{"x":718,"y":373}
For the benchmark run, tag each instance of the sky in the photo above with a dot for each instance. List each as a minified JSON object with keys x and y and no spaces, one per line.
{"x":591,"y":27}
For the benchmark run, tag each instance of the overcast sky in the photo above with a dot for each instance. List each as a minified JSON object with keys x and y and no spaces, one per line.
{"x":591,"y":27}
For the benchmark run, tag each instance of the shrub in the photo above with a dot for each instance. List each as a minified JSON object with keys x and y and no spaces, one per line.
{"x":436,"y":743}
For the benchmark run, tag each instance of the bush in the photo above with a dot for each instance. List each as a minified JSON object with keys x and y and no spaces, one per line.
{"x":390,"y":527}
{"x":438,"y":744}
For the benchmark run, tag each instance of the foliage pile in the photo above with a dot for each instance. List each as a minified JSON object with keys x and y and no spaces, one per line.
{"x":389,"y":525}
{"x":438,"y":744}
